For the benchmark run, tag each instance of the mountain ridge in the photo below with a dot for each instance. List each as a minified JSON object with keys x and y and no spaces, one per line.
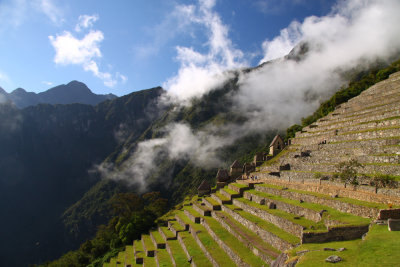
{"x":72,"y":92}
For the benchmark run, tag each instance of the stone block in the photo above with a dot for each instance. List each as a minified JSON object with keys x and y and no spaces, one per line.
{"x":394,"y":224}
{"x":389,"y":214}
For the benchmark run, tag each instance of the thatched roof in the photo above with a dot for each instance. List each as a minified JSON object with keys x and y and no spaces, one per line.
{"x":276,"y":138}
{"x":204,"y":186}
{"x":236,"y":165}
{"x":222,"y":175}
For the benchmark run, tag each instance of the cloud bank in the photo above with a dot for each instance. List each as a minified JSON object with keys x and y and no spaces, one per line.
{"x":354,"y":34}
{"x":85,"y":52}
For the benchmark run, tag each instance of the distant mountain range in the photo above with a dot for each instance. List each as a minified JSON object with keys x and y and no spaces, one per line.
{"x":73,"y":92}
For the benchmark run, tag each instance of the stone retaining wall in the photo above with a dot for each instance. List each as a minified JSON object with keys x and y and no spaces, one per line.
{"x":268,"y":237}
{"x":236,"y":258}
{"x":282,"y":223}
{"x":203,"y":248}
{"x":299,"y":211}
{"x":193,"y":264}
{"x":362,"y":211}
{"x":245,"y":242}
{"x":336,"y":234}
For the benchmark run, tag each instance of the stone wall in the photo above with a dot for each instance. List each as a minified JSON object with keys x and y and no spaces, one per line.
{"x":335,"y":234}
{"x":272,"y":239}
{"x":297,"y":210}
{"x":282,"y":223}
{"x":362,"y":211}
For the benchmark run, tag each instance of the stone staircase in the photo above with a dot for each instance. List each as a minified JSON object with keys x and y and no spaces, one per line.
{"x":296,"y":199}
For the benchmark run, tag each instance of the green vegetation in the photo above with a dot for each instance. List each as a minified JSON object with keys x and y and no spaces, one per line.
{"x":348,"y":171}
{"x":134,"y":215}
{"x":196,"y":253}
{"x":375,"y":250}
{"x":177,"y":253}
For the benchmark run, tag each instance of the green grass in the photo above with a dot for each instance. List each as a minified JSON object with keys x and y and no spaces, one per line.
{"x":307,"y":224}
{"x":139,"y":248}
{"x":167,"y":232}
{"x":292,"y":239}
{"x":192,"y":211}
{"x":222,"y":197}
{"x":212,"y":201}
{"x":229,"y":191}
{"x":163,"y":258}
{"x":245,"y":254}
{"x":148,"y":242}
{"x":217,"y":253}
{"x":183,"y":217}
{"x":149,"y":261}
{"x":176,"y":225}
{"x":130,"y":257}
{"x":157,"y":237}
{"x":194,"y":250}
{"x":178,"y":254}
{"x":332,"y":214}
{"x":248,"y":233}
{"x":380,"y":248}
{"x":239,"y":185}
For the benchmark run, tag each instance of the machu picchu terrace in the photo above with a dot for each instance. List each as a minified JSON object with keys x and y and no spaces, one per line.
{"x":304,"y":212}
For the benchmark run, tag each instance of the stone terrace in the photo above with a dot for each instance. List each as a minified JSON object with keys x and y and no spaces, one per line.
{"x":293,"y":201}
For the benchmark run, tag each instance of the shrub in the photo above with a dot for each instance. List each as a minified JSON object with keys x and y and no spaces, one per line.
{"x":348,"y":171}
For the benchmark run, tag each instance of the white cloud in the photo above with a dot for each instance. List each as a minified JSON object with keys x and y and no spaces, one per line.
{"x":272,"y":97}
{"x":85,"y":52}
{"x":86,"y":21}
{"x":201,"y":72}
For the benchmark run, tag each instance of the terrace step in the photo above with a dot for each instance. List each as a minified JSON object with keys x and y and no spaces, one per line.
{"x":176,"y":253}
{"x":148,"y":245}
{"x":157,"y":239}
{"x":217,"y":196}
{"x":211,"y":203}
{"x":193,"y":252}
{"x":201,"y":208}
{"x":253,"y":242}
{"x":268,"y":232}
{"x":138,"y":251}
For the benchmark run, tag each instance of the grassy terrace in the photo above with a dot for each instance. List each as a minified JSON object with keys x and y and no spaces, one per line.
{"x":130,"y":257}
{"x":194,"y":250}
{"x":163,"y":258}
{"x":222,"y":197}
{"x":217,"y":253}
{"x":342,"y":199}
{"x":192,"y":211}
{"x":149,"y":261}
{"x":366,"y":139}
{"x":238,"y":247}
{"x":148,"y":243}
{"x":167,"y":232}
{"x":177,"y":226}
{"x":212,"y":201}
{"x":292,"y":239}
{"x":183,"y":217}
{"x":375,"y":250}
{"x":238,"y":185}
{"x":139,"y":249}
{"x":157,"y":237}
{"x":307,"y":224}
{"x":229,"y":191}
{"x":178,"y":254}
{"x":332,"y":214}
{"x":250,"y":235}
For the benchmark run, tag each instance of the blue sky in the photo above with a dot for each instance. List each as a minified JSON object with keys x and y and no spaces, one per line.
{"x":123,"y":46}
